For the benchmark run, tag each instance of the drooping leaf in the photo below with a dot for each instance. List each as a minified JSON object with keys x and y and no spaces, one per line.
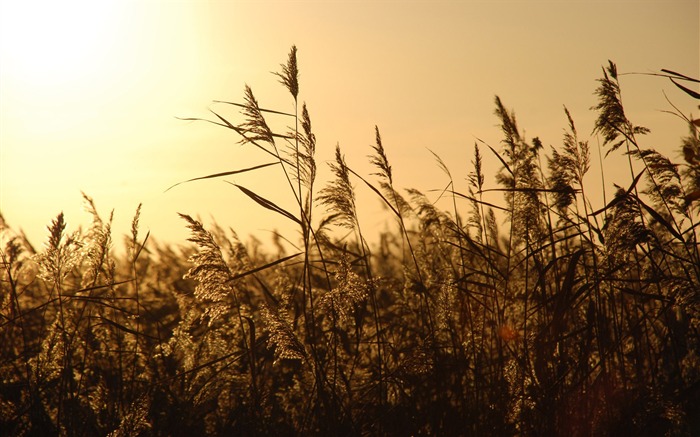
{"x":663,"y":222}
{"x":688,"y":91}
{"x":267,"y":203}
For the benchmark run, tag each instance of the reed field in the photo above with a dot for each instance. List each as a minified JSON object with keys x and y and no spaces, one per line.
{"x":542,"y":314}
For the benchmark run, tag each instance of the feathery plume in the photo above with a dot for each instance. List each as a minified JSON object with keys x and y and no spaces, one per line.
{"x":97,"y":247}
{"x":255,"y":127}
{"x":664,"y":180}
{"x":289,"y":76}
{"x":352,"y":291}
{"x":476,"y":184}
{"x":282,"y":336}
{"x":210,"y":271}
{"x":306,"y":173}
{"x":612,"y":121}
{"x":379,"y":158}
{"x":61,"y":253}
{"x":339,"y":195}
{"x":623,"y":231}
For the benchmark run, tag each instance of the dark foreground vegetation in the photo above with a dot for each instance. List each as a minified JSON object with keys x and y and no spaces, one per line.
{"x":540,"y":315}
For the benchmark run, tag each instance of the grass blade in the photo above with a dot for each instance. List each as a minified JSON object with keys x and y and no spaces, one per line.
{"x":663,"y":222}
{"x":226,"y":173}
{"x":241,"y":105}
{"x":617,"y":199}
{"x":267,"y":203}
{"x":373,"y":188}
{"x":680,"y":76}
{"x":687,"y":90}
{"x":263,"y":267}
{"x":498,"y":155}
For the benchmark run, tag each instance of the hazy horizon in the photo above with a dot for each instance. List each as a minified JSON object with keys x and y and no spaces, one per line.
{"x":90,"y":93}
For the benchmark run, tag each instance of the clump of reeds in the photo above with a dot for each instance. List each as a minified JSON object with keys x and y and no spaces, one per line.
{"x":567,"y":317}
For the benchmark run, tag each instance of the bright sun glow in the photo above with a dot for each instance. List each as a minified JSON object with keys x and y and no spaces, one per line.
{"x":59,"y":42}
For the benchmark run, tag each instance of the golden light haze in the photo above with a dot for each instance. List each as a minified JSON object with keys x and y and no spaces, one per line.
{"x":90,"y":92}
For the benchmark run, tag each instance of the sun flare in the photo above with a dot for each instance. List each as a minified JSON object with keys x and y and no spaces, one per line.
{"x":55,"y":42}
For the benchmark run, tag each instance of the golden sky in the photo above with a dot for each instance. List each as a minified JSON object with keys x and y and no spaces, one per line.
{"x":90,"y":91}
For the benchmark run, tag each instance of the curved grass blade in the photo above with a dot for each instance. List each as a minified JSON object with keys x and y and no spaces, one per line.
{"x":441,"y":164}
{"x":529,"y":190}
{"x":263,"y":267}
{"x":473,"y":199}
{"x":373,"y":188}
{"x":125,"y":329}
{"x":241,"y":105}
{"x":567,"y":286}
{"x":226,"y":173}
{"x":679,"y":76}
{"x":618,"y":198}
{"x":142,"y":246}
{"x":659,"y":219}
{"x":500,"y":158}
{"x":688,"y":91}
{"x":227,"y":124}
{"x":266,"y":203}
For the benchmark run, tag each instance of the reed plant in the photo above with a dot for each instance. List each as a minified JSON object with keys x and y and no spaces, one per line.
{"x":545,"y":313}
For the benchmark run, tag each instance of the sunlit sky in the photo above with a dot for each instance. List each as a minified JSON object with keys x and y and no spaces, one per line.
{"x":90,"y":92}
